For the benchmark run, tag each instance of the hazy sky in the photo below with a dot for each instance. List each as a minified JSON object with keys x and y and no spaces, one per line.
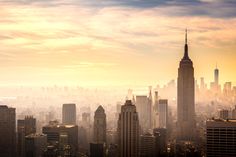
{"x":114,"y":42}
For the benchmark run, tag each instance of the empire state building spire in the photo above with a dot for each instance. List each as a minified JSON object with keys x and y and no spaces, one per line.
{"x":186,"y":45}
{"x":186,"y":123}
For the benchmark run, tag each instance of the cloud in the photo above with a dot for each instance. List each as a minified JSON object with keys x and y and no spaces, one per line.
{"x":211,"y":8}
{"x":69,"y":36}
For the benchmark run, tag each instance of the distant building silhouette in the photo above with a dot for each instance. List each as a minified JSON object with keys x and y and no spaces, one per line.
{"x":69,"y":114}
{"x":144,"y":109}
{"x":99,"y":127}
{"x":128,"y":130}
{"x":185,"y":98}
{"x":7,"y":131}
{"x":215,"y":86}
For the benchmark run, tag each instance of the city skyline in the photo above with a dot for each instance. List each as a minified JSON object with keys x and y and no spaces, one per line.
{"x":96,"y":43}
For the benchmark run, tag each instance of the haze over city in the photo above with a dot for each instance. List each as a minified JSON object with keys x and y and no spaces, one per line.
{"x":117,"y":78}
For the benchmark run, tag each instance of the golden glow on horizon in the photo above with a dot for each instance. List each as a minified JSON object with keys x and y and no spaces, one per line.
{"x":68,"y":44}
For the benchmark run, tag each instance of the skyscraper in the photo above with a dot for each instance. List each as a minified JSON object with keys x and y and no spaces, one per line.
{"x":144,"y":109}
{"x":185,"y":94}
{"x":7,"y":131}
{"x":216,"y":76}
{"x":99,"y":127}
{"x":128,"y":130}
{"x":163,"y":113}
{"x":69,"y":114}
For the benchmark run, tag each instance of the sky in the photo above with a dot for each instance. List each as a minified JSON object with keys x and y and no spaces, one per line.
{"x":114,"y":42}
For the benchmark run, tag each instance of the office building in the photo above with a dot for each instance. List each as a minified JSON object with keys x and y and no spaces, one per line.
{"x":185,"y":98}
{"x":69,"y":114}
{"x":163,"y":113}
{"x":7,"y":131}
{"x":221,"y":138}
{"x":128,"y":130}
{"x":144,"y":108}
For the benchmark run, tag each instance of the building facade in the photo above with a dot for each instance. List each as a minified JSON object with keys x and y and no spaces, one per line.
{"x":220,"y":138}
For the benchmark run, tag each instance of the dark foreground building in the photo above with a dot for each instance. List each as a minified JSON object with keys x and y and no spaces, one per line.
{"x":7,"y":131}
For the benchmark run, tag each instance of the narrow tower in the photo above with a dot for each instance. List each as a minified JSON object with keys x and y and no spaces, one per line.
{"x":185,"y":98}
{"x":216,"y":76}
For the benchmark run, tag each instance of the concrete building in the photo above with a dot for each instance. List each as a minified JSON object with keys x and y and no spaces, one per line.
{"x":69,"y":114}
{"x":186,"y":123}
{"x":99,"y":126}
{"x":128,"y":130}
{"x":221,"y":138}
{"x":7,"y":131}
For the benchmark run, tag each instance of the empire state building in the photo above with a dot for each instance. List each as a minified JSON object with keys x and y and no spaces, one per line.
{"x":186,"y":125}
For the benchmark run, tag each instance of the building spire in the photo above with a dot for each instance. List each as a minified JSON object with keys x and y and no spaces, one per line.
{"x":186,"y":45}
{"x":186,"y":36}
